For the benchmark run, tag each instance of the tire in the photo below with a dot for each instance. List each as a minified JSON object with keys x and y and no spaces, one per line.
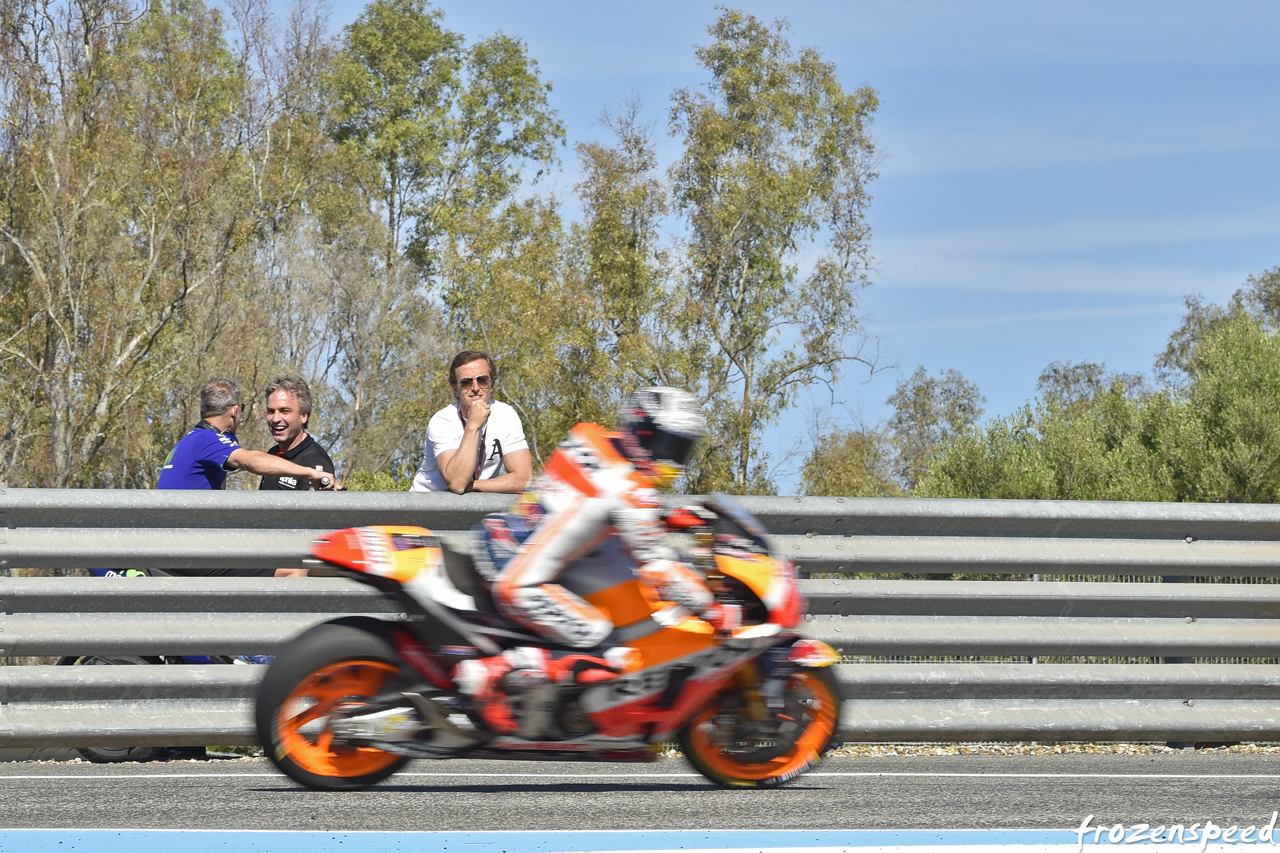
{"x":798,"y":736}
{"x":113,"y":754}
{"x":333,"y":664}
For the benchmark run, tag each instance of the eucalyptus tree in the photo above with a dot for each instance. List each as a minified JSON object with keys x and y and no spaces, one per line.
{"x":927,"y":413}
{"x":777,"y":156}
{"x":439,"y":136}
{"x":119,"y":206}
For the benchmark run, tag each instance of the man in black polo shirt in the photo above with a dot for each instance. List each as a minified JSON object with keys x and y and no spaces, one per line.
{"x":288,"y":410}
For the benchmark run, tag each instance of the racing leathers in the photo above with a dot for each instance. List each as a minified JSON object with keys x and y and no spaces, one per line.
{"x":587,"y":493}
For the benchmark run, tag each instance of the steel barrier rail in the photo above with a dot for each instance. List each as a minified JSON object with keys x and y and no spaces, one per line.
{"x":44,"y":706}
{"x":1011,"y":620}
{"x":257,"y":548}
{"x":913,"y":517}
{"x":48,"y":528}
{"x":250,"y":548}
{"x":212,"y":705}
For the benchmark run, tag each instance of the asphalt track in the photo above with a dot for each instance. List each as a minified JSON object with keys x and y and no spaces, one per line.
{"x":848,"y":795}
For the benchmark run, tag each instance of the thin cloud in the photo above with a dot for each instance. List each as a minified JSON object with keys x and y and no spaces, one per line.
{"x":1086,"y":235}
{"x":1027,"y":318}
{"x":1020,"y":143}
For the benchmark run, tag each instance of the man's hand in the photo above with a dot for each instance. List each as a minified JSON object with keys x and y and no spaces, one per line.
{"x":689,"y":517}
{"x":725,"y":618}
{"x":323,"y":481}
{"x":478,"y":415}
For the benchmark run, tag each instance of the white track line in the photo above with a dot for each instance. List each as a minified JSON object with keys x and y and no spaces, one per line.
{"x":497,"y":775}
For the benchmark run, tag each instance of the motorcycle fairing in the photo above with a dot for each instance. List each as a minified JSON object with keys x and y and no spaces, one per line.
{"x":683,"y":663}
{"x":413,"y":558}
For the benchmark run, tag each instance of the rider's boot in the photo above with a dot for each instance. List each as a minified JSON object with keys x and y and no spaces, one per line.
{"x":593,"y":666}
{"x":490,"y":680}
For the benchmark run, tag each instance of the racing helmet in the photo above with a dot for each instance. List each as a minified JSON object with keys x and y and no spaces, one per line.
{"x":660,"y":428}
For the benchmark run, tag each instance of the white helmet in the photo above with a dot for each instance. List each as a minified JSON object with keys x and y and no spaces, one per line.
{"x":660,"y":428}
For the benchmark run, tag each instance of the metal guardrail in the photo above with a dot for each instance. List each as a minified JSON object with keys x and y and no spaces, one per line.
{"x":943,"y":698}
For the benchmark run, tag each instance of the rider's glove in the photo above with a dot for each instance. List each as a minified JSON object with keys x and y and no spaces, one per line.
{"x":689,"y":517}
{"x":725,"y":618}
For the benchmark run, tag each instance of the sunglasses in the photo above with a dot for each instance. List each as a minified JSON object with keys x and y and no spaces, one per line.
{"x":483,"y":381}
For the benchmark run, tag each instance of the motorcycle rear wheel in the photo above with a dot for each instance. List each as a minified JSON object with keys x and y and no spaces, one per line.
{"x":331,"y":667}
{"x":740,"y":758}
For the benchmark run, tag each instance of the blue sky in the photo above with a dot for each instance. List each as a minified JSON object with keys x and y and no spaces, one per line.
{"x":1054,"y":178}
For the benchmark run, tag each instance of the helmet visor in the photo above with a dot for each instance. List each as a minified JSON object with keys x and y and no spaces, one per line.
{"x":669,"y":447}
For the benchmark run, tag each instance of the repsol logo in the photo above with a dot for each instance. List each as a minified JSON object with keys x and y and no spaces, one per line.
{"x":650,"y":681}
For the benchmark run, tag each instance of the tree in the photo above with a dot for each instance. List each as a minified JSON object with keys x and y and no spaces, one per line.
{"x":850,"y":463}
{"x":1259,"y":297}
{"x":1228,"y":448}
{"x":626,"y":267}
{"x":1211,"y":436}
{"x":776,"y":155}
{"x":928,"y":413}
{"x":436,"y":136}
{"x":120,"y":205}
{"x":444,"y":127}
{"x":1073,"y":387}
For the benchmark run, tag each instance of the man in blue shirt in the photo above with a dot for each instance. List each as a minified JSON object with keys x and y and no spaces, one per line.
{"x":204,"y":456}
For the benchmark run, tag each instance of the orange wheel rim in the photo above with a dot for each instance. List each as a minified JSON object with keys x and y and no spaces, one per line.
{"x":302,"y":726}
{"x":821,"y":713}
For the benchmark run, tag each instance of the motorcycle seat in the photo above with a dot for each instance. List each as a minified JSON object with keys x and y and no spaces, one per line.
{"x":460,"y":568}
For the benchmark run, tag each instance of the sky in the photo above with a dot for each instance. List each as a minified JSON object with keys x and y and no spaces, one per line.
{"x":1054,"y":178}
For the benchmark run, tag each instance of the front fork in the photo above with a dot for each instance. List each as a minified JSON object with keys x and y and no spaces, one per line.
{"x":763,"y":680}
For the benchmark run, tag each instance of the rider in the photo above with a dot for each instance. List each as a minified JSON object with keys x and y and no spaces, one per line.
{"x":597,"y":485}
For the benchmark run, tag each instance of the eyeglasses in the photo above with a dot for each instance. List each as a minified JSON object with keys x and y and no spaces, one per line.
{"x":482,"y":380}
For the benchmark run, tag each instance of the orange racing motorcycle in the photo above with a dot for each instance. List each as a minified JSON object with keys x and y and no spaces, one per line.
{"x":347,"y":703}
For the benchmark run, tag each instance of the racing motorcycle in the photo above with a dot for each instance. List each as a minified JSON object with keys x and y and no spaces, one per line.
{"x":349,"y":702}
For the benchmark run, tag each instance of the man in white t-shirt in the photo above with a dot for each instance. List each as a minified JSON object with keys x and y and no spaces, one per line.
{"x":471,"y":442}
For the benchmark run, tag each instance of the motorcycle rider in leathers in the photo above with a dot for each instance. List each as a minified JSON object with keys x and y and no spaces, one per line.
{"x":598,"y":484}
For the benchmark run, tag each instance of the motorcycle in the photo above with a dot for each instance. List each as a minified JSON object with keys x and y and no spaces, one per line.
{"x":349,"y":702}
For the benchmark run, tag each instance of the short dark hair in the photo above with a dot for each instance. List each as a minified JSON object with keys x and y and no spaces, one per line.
{"x":219,"y":395}
{"x":295,"y":385}
{"x":466,"y":357}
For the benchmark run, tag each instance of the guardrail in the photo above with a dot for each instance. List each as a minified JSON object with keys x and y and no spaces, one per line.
{"x":1210,"y":646}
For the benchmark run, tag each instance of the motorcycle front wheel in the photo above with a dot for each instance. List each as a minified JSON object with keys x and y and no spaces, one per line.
{"x":725,"y":744}
{"x":329,"y":669}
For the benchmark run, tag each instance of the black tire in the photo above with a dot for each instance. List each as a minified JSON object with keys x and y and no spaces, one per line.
{"x":331,"y":664}
{"x":809,"y":722}
{"x":114,"y":754}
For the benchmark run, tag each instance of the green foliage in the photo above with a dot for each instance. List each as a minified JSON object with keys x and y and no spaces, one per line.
{"x":624,"y":264}
{"x":1259,"y":298}
{"x":1214,"y":438}
{"x":850,"y":463}
{"x":1042,"y":454}
{"x":449,"y":128}
{"x":927,"y":413}
{"x":378,"y":481}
